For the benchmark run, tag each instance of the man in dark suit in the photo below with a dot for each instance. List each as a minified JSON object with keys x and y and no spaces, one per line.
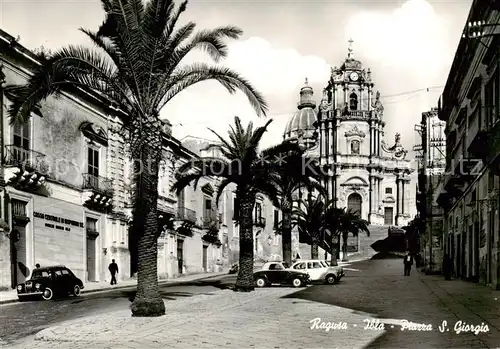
{"x":113,"y":269}
{"x":408,"y":262}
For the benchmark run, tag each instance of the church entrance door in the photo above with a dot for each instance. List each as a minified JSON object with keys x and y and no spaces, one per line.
{"x":354,"y":203}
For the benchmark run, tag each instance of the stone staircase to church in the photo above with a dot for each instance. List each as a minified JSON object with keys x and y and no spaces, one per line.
{"x":377,"y":232}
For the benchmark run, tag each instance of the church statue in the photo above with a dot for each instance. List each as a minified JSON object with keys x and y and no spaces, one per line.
{"x":377,"y":104}
{"x":336,"y":74}
{"x":326,"y":101}
{"x":397,"y":149}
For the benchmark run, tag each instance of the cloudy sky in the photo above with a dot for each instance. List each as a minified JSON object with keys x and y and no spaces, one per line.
{"x":409,"y":46}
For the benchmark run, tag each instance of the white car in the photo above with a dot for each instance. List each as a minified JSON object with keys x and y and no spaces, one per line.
{"x":319,"y":270}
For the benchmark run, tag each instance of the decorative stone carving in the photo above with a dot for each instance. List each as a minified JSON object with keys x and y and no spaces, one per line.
{"x":355,"y":131}
{"x":366,"y":75}
{"x":377,"y":104}
{"x":325,"y":102}
{"x":397,"y":149}
{"x":336,"y":74}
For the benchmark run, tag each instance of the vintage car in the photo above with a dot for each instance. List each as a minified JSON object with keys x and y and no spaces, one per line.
{"x":278,"y":273}
{"x":48,"y":282}
{"x":319,"y":270}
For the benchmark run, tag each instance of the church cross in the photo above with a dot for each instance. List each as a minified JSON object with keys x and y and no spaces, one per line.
{"x":350,"y":54}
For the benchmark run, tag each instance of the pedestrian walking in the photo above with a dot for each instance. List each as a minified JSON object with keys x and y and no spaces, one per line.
{"x":113,"y":269}
{"x":408,"y":262}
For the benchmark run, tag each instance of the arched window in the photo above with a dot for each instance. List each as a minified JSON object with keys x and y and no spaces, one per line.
{"x":353,"y":98}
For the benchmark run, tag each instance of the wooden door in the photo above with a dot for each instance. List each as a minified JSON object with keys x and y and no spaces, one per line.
{"x":388,"y":216}
{"x":91,"y":265}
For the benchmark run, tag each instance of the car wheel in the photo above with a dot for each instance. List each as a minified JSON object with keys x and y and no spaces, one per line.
{"x":261,"y":282}
{"x":76,"y":291}
{"x":47,"y":294}
{"x":297,"y":282}
{"x":330,"y":279}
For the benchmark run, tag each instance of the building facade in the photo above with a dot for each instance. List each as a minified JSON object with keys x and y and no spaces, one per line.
{"x":267,"y":243}
{"x":57,"y":197}
{"x":431,"y":156}
{"x":345,"y":135}
{"x":65,"y":190}
{"x":470,"y":198}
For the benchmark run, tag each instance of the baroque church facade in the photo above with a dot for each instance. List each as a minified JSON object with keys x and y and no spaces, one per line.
{"x":344,"y":134}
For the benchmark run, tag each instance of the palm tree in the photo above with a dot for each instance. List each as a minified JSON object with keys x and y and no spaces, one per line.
{"x":341,"y":222}
{"x":309,"y":217}
{"x":291,"y":178}
{"x":252,"y":171}
{"x":352,"y":224}
{"x":137,"y":67}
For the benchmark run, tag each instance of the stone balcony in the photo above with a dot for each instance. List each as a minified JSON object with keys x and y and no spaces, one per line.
{"x":210,"y":221}
{"x":25,"y":169}
{"x":97,"y":192}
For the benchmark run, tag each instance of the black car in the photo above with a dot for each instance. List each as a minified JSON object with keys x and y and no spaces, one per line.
{"x":278,"y":273}
{"x":48,"y":282}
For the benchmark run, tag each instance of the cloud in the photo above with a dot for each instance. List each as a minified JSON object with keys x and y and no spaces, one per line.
{"x":277,"y":73}
{"x":412,"y":37}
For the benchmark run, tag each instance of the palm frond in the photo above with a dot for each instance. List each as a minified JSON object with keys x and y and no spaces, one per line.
{"x":220,"y":189}
{"x":188,"y":76}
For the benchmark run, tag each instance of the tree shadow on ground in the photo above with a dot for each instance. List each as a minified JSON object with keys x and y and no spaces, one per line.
{"x":333,"y":295}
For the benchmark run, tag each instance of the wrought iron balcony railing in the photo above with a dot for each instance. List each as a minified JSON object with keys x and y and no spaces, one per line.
{"x":26,"y":158}
{"x":186,"y":214}
{"x":97,"y":183}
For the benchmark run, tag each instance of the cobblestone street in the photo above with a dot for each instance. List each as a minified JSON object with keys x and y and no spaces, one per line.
{"x":281,"y":317}
{"x":380,"y":288}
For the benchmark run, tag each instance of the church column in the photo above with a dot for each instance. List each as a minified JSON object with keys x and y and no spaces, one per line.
{"x":345,"y":94}
{"x":336,"y":98}
{"x":403,"y":197}
{"x":372,"y":139}
{"x":377,"y":193}
{"x":323,"y":151}
{"x":398,"y":198}
{"x":377,"y":139}
{"x":371,"y":196}
{"x":369,"y":98}
{"x":380,"y":135}
{"x":330,"y":141}
{"x":407,"y":196}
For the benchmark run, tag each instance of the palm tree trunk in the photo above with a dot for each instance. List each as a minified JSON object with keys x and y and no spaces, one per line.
{"x":314,"y":248}
{"x":245,"y":281}
{"x":286,"y":237}
{"x":147,"y":301}
{"x":334,"y":252}
{"x":344,"y":246}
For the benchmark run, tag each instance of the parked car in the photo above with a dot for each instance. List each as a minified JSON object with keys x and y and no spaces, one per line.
{"x":319,"y":270}
{"x":49,"y":282}
{"x":279,"y":273}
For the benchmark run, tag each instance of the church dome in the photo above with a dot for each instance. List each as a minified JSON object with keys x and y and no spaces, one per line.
{"x":302,"y":123}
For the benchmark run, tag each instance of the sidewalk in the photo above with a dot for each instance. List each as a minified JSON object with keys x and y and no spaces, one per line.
{"x":222,"y":319}
{"x":92,"y":287}
{"x":471,"y":303}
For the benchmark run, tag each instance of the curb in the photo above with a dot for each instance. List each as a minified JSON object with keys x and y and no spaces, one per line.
{"x":118,"y":288}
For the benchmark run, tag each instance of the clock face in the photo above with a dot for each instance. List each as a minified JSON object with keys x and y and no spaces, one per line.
{"x":354,"y":76}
